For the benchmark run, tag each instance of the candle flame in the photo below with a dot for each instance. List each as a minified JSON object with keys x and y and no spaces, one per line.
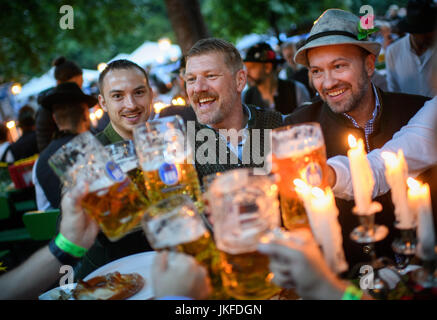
{"x":317,"y":192}
{"x":413,"y":184}
{"x":99,"y":113}
{"x":16,"y":88}
{"x":10,"y":124}
{"x":158,"y":106}
{"x":101,"y":66}
{"x":352,"y":141}
{"x":92,"y":116}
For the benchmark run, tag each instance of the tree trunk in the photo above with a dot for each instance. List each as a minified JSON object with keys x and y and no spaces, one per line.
{"x":187,"y":22}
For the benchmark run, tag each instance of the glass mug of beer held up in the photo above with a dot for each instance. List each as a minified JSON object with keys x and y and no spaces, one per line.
{"x":298,"y":152}
{"x":174,"y":224}
{"x":245,"y":209}
{"x":166,"y":159}
{"x":111,"y":199}
{"x":123,"y":153}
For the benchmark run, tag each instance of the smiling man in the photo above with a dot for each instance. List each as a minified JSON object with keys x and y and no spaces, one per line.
{"x":215,"y":78}
{"x":340,"y":68}
{"x":126,"y":96}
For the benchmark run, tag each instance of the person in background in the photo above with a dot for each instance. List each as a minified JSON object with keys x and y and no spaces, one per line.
{"x":292,"y":70}
{"x":26,"y":145}
{"x":265,"y":88}
{"x":65,"y":71}
{"x":408,"y":60}
{"x":69,"y":106}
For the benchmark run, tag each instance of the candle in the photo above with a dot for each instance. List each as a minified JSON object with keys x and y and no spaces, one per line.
{"x":419,"y":202}
{"x":396,"y":173}
{"x":323,"y":216}
{"x":325,"y":212}
{"x":362,"y":177}
{"x":12,"y":130}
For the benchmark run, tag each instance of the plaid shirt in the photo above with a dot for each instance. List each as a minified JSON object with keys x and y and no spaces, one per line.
{"x":368,"y":129}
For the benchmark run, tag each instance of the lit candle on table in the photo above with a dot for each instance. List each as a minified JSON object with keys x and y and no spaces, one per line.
{"x":323,"y":215}
{"x":362,"y":178}
{"x":396,"y":173}
{"x":12,"y":130}
{"x":419,"y":202}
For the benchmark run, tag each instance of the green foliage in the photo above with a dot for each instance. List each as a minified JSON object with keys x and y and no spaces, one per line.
{"x":232,"y":19}
{"x":31,"y":37}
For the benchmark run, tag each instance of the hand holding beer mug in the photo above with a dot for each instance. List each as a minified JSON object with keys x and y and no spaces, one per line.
{"x":112,"y":199}
{"x":245,"y":209}
{"x":298,"y":153}
{"x":124,"y":155}
{"x":174,"y":224}
{"x":167,"y":160}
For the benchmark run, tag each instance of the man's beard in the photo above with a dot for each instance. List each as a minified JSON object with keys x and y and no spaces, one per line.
{"x":354,"y":101}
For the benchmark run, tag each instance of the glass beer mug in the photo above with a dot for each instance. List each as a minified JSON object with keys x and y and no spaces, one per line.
{"x":245,"y":209}
{"x":124,"y":155}
{"x":112,"y":199}
{"x":174,"y":224}
{"x":298,"y":152}
{"x":166,"y":159}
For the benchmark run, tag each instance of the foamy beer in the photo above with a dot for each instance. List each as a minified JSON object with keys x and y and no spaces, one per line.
{"x":166,"y":159}
{"x":245,"y":209}
{"x":124,"y":155}
{"x":112,"y":199}
{"x":298,"y":152}
{"x":174,"y":224}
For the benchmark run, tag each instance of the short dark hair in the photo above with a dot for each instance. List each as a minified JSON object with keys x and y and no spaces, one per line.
{"x":71,"y":113}
{"x":118,"y":65}
{"x":232,"y":56}
{"x":65,"y":69}
{"x":26,"y":117}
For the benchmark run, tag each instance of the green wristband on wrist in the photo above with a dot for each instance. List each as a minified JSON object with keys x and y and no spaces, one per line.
{"x":69,"y":247}
{"x":352,"y":293}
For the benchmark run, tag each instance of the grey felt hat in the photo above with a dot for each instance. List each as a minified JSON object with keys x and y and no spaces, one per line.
{"x":334,"y":27}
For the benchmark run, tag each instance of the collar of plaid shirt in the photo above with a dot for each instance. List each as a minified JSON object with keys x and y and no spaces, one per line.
{"x":368,"y":129}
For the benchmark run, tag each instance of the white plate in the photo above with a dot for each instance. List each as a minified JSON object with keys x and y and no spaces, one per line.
{"x":140,"y":263}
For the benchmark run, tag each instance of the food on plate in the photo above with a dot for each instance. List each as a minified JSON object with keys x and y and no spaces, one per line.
{"x":113,"y":286}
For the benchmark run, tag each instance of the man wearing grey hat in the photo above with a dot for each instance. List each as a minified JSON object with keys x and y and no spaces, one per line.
{"x":408,"y":60}
{"x":340,"y":68}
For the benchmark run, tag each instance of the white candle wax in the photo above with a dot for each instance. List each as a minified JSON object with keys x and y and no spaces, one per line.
{"x":328,"y":230}
{"x":419,"y":202}
{"x":396,"y":173}
{"x":362,"y":177}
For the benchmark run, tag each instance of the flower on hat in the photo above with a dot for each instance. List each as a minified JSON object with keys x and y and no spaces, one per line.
{"x":364,"y":33}
{"x":271,"y":55}
{"x":365,"y":27}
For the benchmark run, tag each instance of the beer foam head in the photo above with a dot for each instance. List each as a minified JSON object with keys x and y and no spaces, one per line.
{"x":170,"y":230}
{"x":296,"y":140}
{"x":103,"y":182}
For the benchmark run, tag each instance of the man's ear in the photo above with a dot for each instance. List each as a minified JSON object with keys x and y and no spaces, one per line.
{"x":369,"y":63}
{"x":102,"y":103}
{"x":241,"y":78}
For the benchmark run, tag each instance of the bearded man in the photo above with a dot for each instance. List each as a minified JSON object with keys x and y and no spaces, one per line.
{"x":340,"y":69}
